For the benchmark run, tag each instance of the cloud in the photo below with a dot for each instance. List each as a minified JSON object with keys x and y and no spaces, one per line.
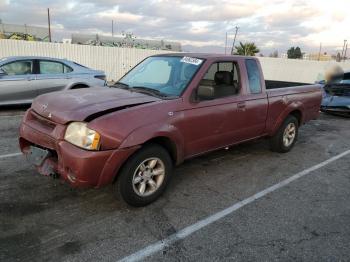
{"x":201,"y":24}
{"x":286,"y":15}
{"x":202,"y":11}
{"x":122,"y":17}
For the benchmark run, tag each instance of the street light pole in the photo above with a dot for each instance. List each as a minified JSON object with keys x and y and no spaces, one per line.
{"x":226,"y":43}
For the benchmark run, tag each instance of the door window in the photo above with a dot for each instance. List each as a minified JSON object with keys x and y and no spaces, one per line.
{"x":51,"y":67}
{"x":18,"y":68}
{"x":253,"y":76}
{"x":224,"y":78}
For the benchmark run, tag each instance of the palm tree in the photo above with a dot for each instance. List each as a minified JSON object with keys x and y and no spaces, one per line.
{"x":247,"y":49}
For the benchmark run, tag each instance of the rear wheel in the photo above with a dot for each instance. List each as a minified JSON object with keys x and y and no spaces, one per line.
{"x":144,"y":176}
{"x":286,"y":136}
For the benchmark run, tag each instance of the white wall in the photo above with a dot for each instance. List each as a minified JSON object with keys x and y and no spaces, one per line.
{"x":295,"y":70}
{"x":116,"y":61}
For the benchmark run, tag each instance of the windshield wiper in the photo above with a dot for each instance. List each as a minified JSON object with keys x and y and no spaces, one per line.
{"x":149,"y":91}
{"x":120,"y":85}
{"x":143,"y":89}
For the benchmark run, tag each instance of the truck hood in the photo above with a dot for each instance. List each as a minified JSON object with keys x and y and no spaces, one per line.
{"x":86,"y":104}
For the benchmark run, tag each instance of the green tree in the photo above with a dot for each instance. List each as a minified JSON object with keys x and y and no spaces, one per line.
{"x":247,"y":49}
{"x":294,"y":53}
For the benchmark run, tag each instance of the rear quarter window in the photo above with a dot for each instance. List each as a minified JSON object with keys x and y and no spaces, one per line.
{"x":52,"y":67}
{"x":254,"y":77}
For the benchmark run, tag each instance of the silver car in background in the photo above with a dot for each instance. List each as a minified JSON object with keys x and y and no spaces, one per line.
{"x":22,"y":78}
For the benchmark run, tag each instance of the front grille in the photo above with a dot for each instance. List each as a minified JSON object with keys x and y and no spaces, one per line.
{"x":41,"y":122}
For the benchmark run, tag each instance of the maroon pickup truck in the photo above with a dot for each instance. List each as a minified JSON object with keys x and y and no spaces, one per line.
{"x":168,"y":108}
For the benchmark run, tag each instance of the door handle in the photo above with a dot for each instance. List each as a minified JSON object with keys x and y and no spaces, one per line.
{"x":241,"y":105}
{"x":30,"y":78}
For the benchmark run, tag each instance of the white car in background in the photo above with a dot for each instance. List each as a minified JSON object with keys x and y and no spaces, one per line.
{"x":22,"y":78}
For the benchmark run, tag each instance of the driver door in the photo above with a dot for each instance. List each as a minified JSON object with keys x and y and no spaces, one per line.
{"x":215,"y":123}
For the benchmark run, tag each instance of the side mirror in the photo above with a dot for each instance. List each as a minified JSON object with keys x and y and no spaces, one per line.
{"x":205,"y":92}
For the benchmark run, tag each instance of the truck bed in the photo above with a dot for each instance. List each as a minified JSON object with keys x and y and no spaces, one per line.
{"x":294,"y":92}
{"x":273,"y":84}
{"x":305,"y":96}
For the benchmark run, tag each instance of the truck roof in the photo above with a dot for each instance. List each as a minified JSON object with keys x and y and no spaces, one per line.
{"x":206,"y":55}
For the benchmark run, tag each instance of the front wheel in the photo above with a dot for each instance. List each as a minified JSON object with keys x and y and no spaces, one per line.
{"x":144,"y":176}
{"x":286,"y":136}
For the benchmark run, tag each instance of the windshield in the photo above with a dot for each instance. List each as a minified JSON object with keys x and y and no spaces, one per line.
{"x":164,"y":74}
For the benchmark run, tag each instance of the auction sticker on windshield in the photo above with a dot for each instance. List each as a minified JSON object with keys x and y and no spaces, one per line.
{"x":191,"y":60}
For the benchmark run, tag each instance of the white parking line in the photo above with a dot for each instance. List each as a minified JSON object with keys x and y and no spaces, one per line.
{"x":187,"y":231}
{"x":10,"y":155}
{"x":21,"y":115}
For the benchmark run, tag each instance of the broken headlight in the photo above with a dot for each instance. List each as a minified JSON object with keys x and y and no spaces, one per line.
{"x":77,"y":133}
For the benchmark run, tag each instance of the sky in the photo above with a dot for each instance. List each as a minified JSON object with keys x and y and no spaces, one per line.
{"x":200,"y":25}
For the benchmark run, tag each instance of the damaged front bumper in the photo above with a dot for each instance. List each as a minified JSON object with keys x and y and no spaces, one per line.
{"x":42,"y":143}
{"x":41,"y":158}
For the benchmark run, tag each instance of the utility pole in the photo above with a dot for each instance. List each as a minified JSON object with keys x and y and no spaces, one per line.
{"x":226,"y":43}
{"x":49,"y":23}
{"x":346,"y":49}
{"x":342,"y":51}
{"x":112,"y":28}
{"x":319,"y":52}
{"x":234,"y":40}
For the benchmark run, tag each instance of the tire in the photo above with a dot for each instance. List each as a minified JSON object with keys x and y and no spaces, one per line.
{"x":133,"y":174}
{"x":279,"y":142}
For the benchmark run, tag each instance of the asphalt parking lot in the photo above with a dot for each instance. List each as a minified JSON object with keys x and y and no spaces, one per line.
{"x":308,"y":219}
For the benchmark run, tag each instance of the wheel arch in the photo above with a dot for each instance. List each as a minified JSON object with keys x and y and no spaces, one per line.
{"x":294,"y":110}
{"x":167,"y":143}
{"x":166,"y":135}
{"x":298,"y":115}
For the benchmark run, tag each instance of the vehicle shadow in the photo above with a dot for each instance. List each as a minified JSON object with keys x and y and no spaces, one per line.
{"x":13,"y":109}
{"x":335,"y":115}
